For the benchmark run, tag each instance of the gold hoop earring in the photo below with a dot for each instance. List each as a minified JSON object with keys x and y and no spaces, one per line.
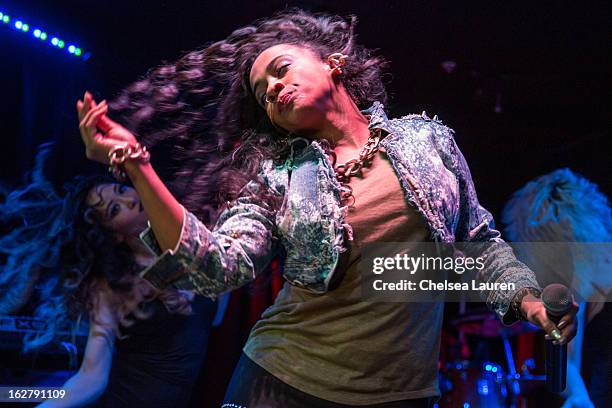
{"x":337,"y":60}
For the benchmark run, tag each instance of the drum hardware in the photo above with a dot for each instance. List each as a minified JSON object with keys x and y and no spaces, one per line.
{"x":464,"y":383}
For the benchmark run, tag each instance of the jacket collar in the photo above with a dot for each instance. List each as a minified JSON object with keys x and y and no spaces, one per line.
{"x":378,"y":117}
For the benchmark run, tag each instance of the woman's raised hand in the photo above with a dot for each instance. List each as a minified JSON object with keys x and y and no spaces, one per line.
{"x":99,"y":133}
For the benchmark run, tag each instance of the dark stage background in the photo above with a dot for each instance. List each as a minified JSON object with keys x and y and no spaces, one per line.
{"x":529,"y":91}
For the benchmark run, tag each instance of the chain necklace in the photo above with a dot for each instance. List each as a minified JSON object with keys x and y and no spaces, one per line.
{"x":353,"y":167}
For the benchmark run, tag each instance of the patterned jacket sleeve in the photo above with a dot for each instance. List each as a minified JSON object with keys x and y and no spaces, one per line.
{"x":476,"y":229}
{"x":238,"y":248}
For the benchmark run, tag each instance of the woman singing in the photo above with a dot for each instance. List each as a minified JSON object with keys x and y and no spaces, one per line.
{"x":295,"y":106}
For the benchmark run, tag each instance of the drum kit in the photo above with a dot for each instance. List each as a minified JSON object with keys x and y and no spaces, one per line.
{"x":471,"y":378}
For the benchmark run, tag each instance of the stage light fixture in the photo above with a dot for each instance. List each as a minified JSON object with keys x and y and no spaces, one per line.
{"x":41,"y":35}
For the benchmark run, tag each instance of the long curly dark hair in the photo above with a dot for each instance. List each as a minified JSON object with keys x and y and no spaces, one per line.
{"x":202,"y":104}
{"x":59,"y":253}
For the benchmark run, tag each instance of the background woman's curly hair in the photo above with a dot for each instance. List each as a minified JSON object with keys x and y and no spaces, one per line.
{"x":60,"y":257}
{"x":203,"y":106}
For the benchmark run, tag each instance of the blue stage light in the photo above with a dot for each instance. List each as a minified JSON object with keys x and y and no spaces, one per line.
{"x":494,"y":369}
{"x":483,"y":387}
{"x":38,"y":33}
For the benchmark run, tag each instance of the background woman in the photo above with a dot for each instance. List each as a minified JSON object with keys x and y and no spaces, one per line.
{"x":564,"y":207}
{"x":78,"y":256}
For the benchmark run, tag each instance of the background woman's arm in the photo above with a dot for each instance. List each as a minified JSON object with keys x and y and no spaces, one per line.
{"x":88,"y":384}
{"x":576,"y":393}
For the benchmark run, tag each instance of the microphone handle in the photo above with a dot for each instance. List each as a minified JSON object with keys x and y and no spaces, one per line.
{"x":557,"y":301}
{"x":556,"y":366}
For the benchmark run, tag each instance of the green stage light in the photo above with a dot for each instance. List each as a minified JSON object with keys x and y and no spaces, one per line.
{"x":43,"y":36}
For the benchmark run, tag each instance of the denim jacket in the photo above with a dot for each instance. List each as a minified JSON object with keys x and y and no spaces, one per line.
{"x":310,"y":225}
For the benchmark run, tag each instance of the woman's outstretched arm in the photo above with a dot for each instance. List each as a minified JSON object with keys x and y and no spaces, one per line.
{"x":89,"y":383}
{"x":165,"y":213}
{"x":190,"y":256}
{"x":477,"y":227}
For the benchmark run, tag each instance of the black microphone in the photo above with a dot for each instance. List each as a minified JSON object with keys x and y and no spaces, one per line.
{"x":558,"y":301}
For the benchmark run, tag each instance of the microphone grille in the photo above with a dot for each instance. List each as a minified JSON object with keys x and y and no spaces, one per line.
{"x":557,"y":298}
